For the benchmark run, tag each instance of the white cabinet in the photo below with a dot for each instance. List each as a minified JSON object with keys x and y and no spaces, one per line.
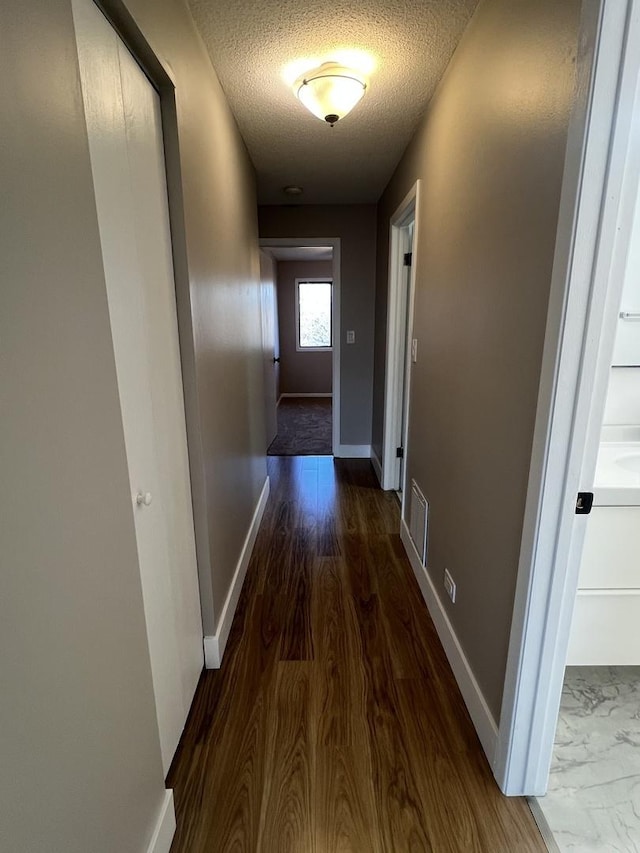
{"x":604,"y":630}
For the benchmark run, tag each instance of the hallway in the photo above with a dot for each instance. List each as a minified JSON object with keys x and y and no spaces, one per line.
{"x":335,"y":722}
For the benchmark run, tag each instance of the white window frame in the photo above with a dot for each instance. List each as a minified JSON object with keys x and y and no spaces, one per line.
{"x":325,"y":279}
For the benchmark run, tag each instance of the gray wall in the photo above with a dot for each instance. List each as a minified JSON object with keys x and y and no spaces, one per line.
{"x":300,"y":372}
{"x":355,"y":224}
{"x":81,"y":766}
{"x":490,"y":153}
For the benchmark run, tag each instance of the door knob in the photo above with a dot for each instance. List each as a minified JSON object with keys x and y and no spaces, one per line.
{"x":143,"y":499}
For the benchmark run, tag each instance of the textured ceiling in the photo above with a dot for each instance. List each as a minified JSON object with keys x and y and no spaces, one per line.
{"x":252,"y":42}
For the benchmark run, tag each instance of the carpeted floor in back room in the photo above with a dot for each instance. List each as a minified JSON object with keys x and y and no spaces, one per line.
{"x":304,"y":427}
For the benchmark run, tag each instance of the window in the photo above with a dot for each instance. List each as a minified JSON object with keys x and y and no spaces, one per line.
{"x":313,"y":314}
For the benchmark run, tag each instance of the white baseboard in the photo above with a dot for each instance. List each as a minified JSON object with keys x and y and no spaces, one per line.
{"x":353,"y":451}
{"x":165,"y":826}
{"x":482,"y":718}
{"x":214,"y":646}
{"x":377,"y":465}
{"x":304,"y":395}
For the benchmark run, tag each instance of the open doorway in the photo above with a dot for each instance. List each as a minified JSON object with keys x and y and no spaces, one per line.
{"x":300,"y":292}
{"x":591,"y":800}
{"x":574,"y":639}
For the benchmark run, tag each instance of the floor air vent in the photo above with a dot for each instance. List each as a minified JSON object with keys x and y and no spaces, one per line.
{"x":418,"y":521}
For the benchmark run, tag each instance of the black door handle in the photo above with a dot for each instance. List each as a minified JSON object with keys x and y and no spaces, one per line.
{"x":276,"y":359}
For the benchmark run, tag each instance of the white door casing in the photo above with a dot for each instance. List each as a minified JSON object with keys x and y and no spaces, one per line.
{"x":126,"y":147}
{"x":270,"y":343}
{"x":402,"y":407}
{"x":403,"y":231}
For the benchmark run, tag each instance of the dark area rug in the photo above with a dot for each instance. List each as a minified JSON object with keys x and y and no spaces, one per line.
{"x":304,"y":427}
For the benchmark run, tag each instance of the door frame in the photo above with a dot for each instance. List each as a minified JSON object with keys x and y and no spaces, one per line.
{"x":274,"y":367}
{"x":406,"y":213}
{"x":334,"y":242}
{"x":600,"y":186}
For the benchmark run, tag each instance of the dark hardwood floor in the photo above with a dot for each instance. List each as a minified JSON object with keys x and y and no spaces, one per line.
{"x":335,"y":723}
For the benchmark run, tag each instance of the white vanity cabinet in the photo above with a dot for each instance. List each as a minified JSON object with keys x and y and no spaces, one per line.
{"x":605,"y":630}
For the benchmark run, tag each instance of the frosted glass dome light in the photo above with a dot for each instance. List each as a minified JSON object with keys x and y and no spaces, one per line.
{"x":330,"y":91}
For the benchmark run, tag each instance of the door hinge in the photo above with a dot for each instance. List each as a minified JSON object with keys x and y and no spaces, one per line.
{"x":400,"y":452}
{"x":584,"y":502}
{"x":408,"y":258}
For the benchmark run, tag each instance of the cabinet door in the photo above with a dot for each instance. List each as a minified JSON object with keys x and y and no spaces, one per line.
{"x":610,"y":557}
{"x":604,"y":629}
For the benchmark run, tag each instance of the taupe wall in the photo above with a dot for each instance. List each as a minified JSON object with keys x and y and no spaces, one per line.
{"x":78,"y":737}
{"x":355,"y":224}
{"x":300,"y":372}
{"x":490,"y":153}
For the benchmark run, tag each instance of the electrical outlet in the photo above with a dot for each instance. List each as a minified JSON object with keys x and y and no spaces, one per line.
{"x":414,"y":350}
{"x":450,"y":586}
{"x":351,"y":337}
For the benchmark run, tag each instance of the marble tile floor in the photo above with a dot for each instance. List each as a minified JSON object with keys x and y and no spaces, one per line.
{"x":593,"y":801}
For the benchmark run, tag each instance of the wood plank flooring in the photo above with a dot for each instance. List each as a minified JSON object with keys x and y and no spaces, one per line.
{"x":335,"y":724}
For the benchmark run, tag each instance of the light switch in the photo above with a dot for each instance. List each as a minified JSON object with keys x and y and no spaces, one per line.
{"x":414,"y":350}
{"x":351,"y":337}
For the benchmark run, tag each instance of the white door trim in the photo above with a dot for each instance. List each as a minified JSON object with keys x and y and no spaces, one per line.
{"x":334,"y":242}
{"x":407,"y":212}
{"x":601,"y":177}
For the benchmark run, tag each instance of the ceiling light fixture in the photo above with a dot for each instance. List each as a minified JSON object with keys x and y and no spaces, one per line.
{"x":330,"y":91}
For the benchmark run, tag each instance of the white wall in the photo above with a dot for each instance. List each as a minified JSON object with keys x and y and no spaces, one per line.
{"x":623,"y":396}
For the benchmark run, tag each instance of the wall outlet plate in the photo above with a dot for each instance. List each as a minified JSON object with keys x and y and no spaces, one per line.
{"x":450,"y":586}
{"x":351,"y":337}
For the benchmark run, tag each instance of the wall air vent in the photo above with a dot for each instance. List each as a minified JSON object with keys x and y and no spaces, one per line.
{"x":418,"y":512}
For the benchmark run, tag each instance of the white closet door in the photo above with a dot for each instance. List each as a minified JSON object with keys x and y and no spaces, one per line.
{"x":125,"y":142}
{"x":151,"y":217}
